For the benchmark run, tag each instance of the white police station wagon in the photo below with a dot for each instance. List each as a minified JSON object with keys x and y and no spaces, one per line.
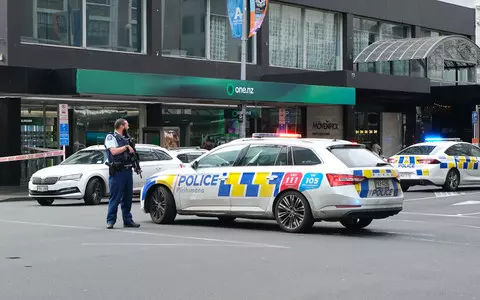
{"x":292,"y":180}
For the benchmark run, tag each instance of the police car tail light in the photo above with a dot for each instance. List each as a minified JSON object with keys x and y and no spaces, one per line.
{"x":428,"y":161}
{"x":344,"y":179}
{"x":391,"y":160}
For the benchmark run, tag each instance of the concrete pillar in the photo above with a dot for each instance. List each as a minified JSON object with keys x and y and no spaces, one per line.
{"x":10,"y":140}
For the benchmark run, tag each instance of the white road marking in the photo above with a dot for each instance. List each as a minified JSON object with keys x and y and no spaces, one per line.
{"x":470,"y":214}
{"x":467,"y":203}
{"x":435,"y":197}
{"x":171,"y":245}
{"x":448,"y":194}
{"x":146,"y":233}
{"x":438,"y":215}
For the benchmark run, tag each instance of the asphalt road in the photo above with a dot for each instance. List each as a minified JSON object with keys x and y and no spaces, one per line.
{"x":429,"y":251}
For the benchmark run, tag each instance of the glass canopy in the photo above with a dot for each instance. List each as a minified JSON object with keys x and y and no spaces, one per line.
{"x":455,"y":51}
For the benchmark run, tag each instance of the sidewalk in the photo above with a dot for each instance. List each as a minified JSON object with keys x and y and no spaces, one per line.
{"x":14,"y":193}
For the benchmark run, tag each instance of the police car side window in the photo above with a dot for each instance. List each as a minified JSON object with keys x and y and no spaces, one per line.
{"x":261,"y":155}
{"x":162,"y":155}
{"x":224,"y":157}
{"x":183,"y":158}
{"x":473,"y":151}
{"x":146,"y":155}
{"x":304,"y":157}
{"x":457,"y":150}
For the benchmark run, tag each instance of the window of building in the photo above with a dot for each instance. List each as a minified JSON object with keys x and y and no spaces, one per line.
{"x":98,"y":24}
{"x":367,"y":32}
{"x":201,"y":29}
{"x":304,"y":38}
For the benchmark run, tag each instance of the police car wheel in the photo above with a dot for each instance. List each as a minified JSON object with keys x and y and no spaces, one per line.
{"x":452,"y":181}
{"x":356,"y":223}
{"x":293,"y":213}
{"x":45,"y":201}
{"x":162,"y":206}
{"x":94,"y":192}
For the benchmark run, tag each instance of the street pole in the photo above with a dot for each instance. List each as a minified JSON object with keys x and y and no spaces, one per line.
{"x":243,"y":70}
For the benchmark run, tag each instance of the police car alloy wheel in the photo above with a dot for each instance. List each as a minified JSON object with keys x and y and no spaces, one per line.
{"x":162,"y":206}
{"x":45,"y":201}
{"x":356,"y":223}
{"x":452,"y":181}
{"x":293,"y":213}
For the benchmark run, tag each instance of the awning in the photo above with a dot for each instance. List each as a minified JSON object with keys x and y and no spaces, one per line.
{"x":457,"y":51}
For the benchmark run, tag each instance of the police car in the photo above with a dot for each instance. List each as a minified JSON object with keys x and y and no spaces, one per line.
{"x":448,"y":163}
{"x":292,"y":180}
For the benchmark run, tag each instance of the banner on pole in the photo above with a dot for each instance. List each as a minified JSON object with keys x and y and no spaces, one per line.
{"x":235,"y":14}
{"x":258,"y":10}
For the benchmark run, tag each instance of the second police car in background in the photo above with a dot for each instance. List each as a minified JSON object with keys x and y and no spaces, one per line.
{"x":448,"y":163}
{"x":294,"y":181}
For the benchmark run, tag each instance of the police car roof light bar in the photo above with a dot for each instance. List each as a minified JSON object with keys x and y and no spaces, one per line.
{"x":439,"y":139}
{"x":276,"y":135}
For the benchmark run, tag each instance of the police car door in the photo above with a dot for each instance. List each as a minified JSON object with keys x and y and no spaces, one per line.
{"x":473,"y":164}
{"x":204,"y":187}
{"x":256,"y":180}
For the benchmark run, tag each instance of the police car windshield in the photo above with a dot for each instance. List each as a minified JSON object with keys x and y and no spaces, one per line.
{"x":418,"y":150}
{"x":86,"y":157}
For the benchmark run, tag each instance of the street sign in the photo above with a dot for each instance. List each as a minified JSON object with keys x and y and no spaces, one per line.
{"x":474,"y":117}
{"x":64,"y":135}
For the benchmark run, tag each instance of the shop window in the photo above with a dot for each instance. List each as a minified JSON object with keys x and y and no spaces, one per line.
{"x":56,"y":22}
{"x":224,"y":157}
{"x":222,"y":45}
{"x":187,"y":26}
{"x":367,"y":32}
{"x":304,"y":38}
{"x":110,"y":25}
{"x":304,"y":157}
{"x":113,"y":25}
{"x":261,"y":156}
{"x":179,"y":37}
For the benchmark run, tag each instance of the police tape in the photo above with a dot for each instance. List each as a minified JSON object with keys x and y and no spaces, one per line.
{"x":44,"y":154}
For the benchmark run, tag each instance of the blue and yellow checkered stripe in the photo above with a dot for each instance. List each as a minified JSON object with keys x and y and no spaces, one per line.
{"x":423,"y":172}
{"x":459,"y":162}
{"x":363,"y":188}
{"x":376,"y":173}
{"x":250,"y":184}
{"x":408,"y":160}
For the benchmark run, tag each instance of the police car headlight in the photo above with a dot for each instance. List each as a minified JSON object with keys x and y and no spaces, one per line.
{"x":75,"y":177}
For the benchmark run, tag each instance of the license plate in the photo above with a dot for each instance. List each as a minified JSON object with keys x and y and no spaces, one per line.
{"x":42,"y":188}
{"x":381,"y":184}
{"x":406,"y":175}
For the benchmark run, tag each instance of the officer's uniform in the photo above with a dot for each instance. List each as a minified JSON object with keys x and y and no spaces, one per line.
{"x":121,"y":183}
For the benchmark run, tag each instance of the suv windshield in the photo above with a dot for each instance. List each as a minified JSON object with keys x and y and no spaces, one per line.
{"x":417,"y":150}
{"x":86,"y":157}
{"x":357,"y":157}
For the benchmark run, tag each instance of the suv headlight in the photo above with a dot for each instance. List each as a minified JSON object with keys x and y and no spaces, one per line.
{"x":75,"y":177}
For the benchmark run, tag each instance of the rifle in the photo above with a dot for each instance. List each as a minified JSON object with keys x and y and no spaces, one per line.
{"x":133,"y":156}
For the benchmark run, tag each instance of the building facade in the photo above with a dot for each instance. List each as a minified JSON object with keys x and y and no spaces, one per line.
{"x":171,"y":68}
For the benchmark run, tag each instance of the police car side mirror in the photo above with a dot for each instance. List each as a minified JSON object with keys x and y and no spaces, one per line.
{"x":195,"y":165}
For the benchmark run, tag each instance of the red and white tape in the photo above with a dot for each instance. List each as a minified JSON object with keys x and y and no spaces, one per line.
{"x":49,"y":153}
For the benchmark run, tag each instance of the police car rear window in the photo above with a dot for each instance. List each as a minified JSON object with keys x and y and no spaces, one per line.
{"x":417,"y":150}
{"x":356,"y":157}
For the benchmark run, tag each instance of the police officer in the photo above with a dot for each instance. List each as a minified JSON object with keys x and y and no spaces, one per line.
{"x":121,"y":175}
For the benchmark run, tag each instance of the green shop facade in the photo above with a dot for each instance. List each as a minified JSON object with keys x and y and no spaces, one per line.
{"x":167,"y":110}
